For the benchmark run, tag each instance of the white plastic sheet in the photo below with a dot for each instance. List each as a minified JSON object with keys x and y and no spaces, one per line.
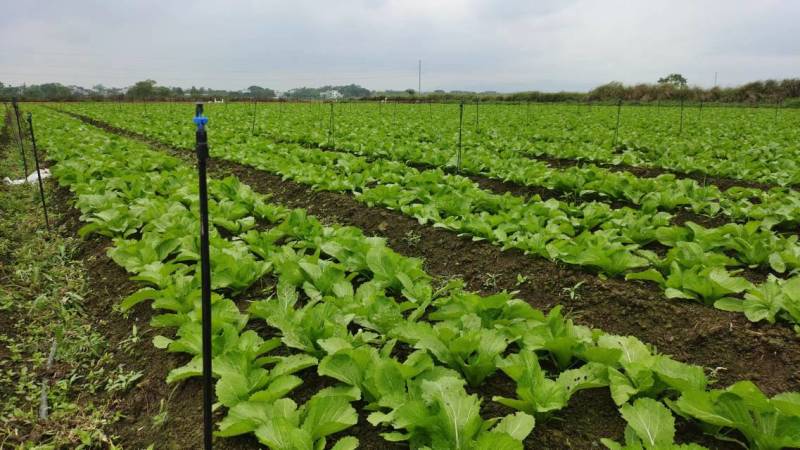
{"x":29,"y":179}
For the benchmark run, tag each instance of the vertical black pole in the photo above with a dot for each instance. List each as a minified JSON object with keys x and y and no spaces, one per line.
{"x":701,"y":111}
{"x":21,"y":145}
{"x":477,"y":115}
{"x":616,"y":129}
{"x":253,"y":125}
{"x":419,"y":80}
{"x":528,"y":111}
{"x":460,"y":126}
{"x":680,"y":129}
{"x":201,"y":145}
{"x":38,"y":172}
{"x":331,"y":130}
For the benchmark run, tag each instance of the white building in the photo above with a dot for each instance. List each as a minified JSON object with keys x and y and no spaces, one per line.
{"x":332,"y":94}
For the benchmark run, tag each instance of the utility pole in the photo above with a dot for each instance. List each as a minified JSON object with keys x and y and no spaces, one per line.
{"x":715,"y":79}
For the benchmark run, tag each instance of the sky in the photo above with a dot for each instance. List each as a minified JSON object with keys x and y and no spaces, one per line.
{"x":500,"y":45}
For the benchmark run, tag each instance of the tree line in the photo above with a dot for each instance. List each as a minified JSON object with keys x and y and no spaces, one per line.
{"x":673,"y":87}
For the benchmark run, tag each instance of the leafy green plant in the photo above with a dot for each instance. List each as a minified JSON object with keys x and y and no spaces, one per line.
{"x":438,"y":414}
{"x":380,"y":378}
{"x":642,"y":372}
{"x":650,"y":426}
{"x":281,"y":425}
{"x":540,"y":396}
{"x":462,"y":345}
{"x":766,"y":423}
{"x":302,"y":328}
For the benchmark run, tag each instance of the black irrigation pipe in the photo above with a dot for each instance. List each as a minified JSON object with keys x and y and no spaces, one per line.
{"x":38,"y":171}
{"x":201,"y":146}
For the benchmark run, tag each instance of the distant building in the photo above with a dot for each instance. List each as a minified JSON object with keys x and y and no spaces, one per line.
{"x":332,"y":94}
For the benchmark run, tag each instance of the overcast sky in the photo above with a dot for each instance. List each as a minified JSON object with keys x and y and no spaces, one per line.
{"x":503,"y":45}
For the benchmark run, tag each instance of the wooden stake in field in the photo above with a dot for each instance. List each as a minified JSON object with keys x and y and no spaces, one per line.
{"x":680,"y":128}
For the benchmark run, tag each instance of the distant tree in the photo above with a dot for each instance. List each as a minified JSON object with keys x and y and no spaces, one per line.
{"x":674,"y":79}
{"x":162,"y":92}
{"x":142,"y":90}
{"x":303,"y":93}
{"x":259,"y":92}
{"x":350,"y":91}
{"x":613,"y":90}
{"x":100,"y":90}
{"x":411,"y":92}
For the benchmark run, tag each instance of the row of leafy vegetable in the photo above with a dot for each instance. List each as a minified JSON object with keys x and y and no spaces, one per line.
{"x":694,"y":263}
{"x":360,"y":302}
{"x":423,"y":143}
{"x":493,"y":157}
{"x":739,"y":143}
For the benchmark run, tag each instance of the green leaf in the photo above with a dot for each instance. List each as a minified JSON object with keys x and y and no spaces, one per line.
{"x":326,"y":415}
{"x":346,"y":443}
{"x":518,"y":425}
{"x":651,"y":421}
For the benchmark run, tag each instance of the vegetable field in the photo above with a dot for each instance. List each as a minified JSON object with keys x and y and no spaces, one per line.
{"x":392,"y":276}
